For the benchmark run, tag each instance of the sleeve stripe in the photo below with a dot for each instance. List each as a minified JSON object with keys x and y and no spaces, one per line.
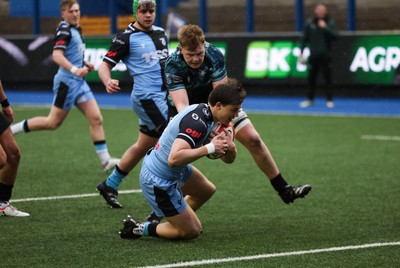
{"x":187,"y":138}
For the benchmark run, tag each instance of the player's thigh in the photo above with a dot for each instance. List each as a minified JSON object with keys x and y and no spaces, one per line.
{"x":247,"y":133}
{"x":145,"y":142}
{"x":91,"y":110}
{"x":164,"y":196}
{"x":198,"y":185}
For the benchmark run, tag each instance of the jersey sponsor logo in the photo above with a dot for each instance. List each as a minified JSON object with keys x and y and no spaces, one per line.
{"x":195,"y":116}
{"x":206,"y":112}
{"x":193,"y":133}
{"x":60,"y":43}
{"x":63,"y":33}
{"x":173,"y":79}
{"x":119,"y":41}
{"x":111,"y":54}
{"x":154,"y":57}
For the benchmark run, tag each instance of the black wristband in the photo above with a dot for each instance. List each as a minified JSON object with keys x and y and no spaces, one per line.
{"x":4,"y":103}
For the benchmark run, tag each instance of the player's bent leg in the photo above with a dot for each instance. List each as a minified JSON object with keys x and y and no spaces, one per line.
{"x":198,"y":190}
{"x":183,"y":226}
{"x":52,"y":122}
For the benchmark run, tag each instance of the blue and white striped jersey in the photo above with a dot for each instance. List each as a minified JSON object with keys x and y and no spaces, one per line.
{"x":144,"y":54}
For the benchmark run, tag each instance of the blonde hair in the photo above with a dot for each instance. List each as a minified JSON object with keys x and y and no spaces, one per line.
{"x":67,"y":4}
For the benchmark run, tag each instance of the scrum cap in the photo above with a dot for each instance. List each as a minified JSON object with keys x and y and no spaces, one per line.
{"x":138,"y":3}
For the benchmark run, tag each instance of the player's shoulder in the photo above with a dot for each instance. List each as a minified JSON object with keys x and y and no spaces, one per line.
{"x":199,"y":112}
{"x":122,"y":38}
{"x":213,"y":52}
{"x":63,"y":27}
{"x":158,"y":29}
{"x":175,"y":60}
{"x":211,"y":48}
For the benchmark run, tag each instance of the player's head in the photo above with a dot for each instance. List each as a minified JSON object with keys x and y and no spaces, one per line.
{"x":70,"y":11}
{"x":320,"y":11}
{"x":146,"y":4}
{"x":144,"y":12}
{"x":192,"y":45}
{"x":226,"y":100}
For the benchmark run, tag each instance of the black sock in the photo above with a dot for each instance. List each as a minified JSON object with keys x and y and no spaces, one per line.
{"x":152,"y":229}
{"x":25,"y":126}
{"x":279,"y":183}
{"x":5,"y":192}
{"x":123,"y":173}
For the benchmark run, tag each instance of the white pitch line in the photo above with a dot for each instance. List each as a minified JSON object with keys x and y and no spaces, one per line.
{"x":272,"y":255}
{"x":68,"y":196}
{"x":380,"y":137}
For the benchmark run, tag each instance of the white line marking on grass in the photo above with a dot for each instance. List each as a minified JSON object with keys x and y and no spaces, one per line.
{"x":68,"y":196}
{"x":380,"y":137}
{"x":273,"y":255}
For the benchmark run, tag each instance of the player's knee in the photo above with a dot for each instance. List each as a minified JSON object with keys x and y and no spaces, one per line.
{"x":193,"y":233}
{"x":14,"y":157}
{"x":53,"y":125}
{"x":211,"y":189}
{"x":251,"y":140}
{"x":97,"y":120}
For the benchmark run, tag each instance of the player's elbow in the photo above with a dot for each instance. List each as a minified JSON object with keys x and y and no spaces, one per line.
{"x":173,"y":161}
{"x":229,"y":158}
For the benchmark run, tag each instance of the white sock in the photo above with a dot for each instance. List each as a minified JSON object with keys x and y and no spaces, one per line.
{"x":104,"y":155}
{"x":18,"y":127}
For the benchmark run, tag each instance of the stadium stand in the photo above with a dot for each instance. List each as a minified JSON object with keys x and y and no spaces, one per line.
{"x":270,"y":16}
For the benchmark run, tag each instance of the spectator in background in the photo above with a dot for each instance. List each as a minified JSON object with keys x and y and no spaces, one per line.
{"x":319,"y":32}
{"x":9,"y":159}
{"x":70,"y":87}
{"x":143,"y":48}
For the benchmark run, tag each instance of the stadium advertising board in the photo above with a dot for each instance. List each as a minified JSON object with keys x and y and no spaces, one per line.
{"x":258,"y":59}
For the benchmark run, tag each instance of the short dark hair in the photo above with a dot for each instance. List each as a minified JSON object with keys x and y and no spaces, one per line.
{"x":230,"y":93}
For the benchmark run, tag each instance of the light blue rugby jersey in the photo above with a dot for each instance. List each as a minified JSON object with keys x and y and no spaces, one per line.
{"x":144,"y":54}
{"x":193,"y":124}
{"x":69,"y":38}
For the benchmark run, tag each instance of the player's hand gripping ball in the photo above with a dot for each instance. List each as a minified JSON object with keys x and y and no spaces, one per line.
{"x":219,"y":128}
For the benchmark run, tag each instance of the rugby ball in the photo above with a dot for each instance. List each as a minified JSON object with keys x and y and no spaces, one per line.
{"x":219,"y":128}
